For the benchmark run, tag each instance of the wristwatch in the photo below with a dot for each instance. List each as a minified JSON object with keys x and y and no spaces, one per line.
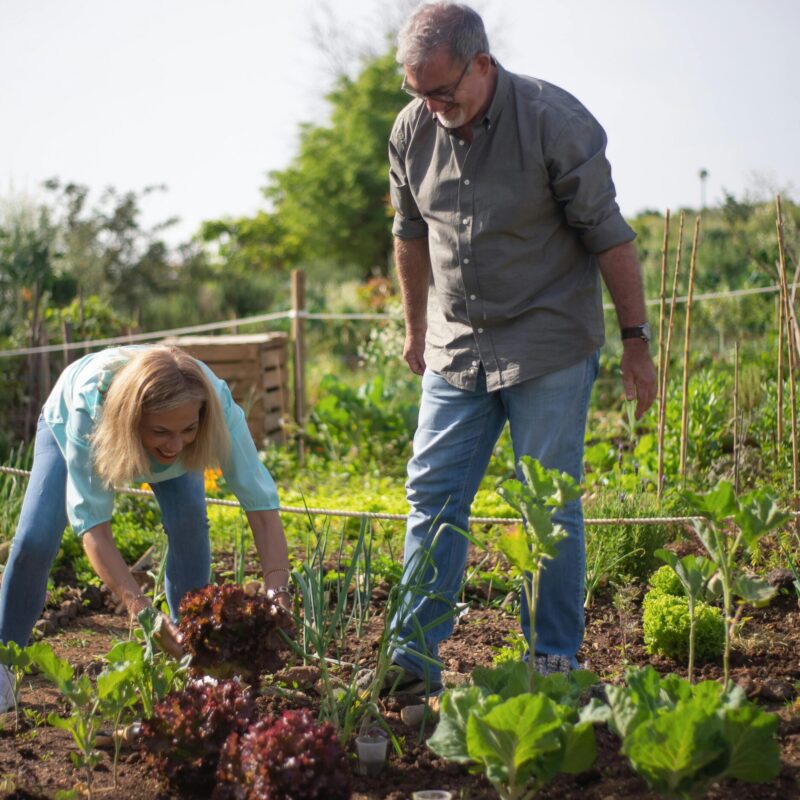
{"x":637,"y":332}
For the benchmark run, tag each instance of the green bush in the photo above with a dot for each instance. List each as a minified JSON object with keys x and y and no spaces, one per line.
{"x":666,"y":581}
{"x":665,"y":619}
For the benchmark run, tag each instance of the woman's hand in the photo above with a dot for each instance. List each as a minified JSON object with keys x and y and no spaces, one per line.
{"x":169,"y":638}
{"x":112,"y":569}
{"x":272,"y":553}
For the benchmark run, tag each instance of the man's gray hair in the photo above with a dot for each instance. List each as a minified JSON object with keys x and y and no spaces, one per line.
{"x":454,"y":25}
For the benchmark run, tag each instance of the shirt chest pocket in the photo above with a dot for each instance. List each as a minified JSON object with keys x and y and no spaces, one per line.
{"x":513,"y":202}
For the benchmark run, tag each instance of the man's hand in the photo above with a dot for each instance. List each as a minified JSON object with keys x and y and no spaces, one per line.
{"x":638,"y":375}
{"x":413,"y":263}
{"x":414,"y":351}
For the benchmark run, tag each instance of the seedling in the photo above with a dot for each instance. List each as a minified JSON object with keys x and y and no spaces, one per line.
{"x":88,"y":703}
{"x":526,"y":548}
{"x":17,"y":661}
{"x":753,"y":515}
{"x":694,"y":573}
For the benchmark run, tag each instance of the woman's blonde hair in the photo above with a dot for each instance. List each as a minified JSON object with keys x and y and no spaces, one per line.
{"x":155,"y":380}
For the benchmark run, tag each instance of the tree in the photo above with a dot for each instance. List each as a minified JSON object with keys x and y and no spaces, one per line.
{"x":330,"y":205}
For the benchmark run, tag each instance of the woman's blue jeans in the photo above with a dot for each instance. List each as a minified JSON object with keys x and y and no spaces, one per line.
{"x":455,"y":437}
{"x":42,"y":522}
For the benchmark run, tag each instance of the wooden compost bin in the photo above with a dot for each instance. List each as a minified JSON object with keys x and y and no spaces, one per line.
{"x":255,"y":368}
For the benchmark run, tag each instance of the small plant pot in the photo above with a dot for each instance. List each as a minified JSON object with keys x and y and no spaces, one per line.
{"x":371,"y":750}
{"x":432,"y":794}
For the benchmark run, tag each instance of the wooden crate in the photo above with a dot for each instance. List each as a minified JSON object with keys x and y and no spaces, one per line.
{"x":255,"y":368}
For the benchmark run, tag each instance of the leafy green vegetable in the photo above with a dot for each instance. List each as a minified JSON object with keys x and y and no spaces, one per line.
{"x":666,"y":623}
{"x":681,"y":738}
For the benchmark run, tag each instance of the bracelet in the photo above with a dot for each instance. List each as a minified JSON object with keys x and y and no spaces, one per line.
{"x":287,"y":570}
{"x":281,"y":590}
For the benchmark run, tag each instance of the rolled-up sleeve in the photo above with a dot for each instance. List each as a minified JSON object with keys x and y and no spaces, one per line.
{"x":408,"y":221}
{"x":580,"y":177}
{"x":89,"y":501}
{"x":249,"y":480}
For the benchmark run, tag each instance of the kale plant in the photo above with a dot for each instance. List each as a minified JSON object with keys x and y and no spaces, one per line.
{"x":228,"y":632}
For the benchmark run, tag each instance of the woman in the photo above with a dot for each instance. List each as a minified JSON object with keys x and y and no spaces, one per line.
{"x":135,"y":413}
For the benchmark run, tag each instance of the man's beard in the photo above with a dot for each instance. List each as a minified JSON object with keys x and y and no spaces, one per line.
{"x":452,"y":122}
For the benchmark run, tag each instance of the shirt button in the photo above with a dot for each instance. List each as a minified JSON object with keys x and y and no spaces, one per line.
{"x":466,"y":182}
{"x":461,"y":142}
{"x":475,"y":363}
{"x":480,"y":330}
{"x":472,"y":297}
{"x":465,"y":220}
{"x":466,"y":261}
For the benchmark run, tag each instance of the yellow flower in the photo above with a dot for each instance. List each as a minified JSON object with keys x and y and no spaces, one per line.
{"x":212,"y":477}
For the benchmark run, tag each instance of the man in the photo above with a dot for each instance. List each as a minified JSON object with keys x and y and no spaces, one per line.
{"x":505,"y":218}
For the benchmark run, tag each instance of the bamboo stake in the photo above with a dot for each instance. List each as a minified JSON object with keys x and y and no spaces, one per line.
{"x":790,"y":322}
{"x":779,"y":442}
{"x":686,"y":341}
{"x":661,"y":343}
{"x":662,"y":298}
{"x":736,"y":419}
{"x":662,"y":410}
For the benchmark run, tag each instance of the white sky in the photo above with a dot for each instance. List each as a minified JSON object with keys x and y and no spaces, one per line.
{"x":207,"y":95}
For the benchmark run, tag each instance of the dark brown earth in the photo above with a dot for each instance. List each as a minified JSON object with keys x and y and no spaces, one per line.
{"x":35,"y":759}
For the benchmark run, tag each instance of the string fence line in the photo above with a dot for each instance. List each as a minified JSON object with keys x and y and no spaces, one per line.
{"x":292,"y":314}
{"x":379,"y":515}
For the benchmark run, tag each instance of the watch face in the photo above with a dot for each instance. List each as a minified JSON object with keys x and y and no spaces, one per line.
{"x":645,"y":332}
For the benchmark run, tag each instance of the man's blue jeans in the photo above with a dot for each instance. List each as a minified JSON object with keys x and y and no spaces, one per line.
{"x":42,"y":522}
{"x":455,"y":437}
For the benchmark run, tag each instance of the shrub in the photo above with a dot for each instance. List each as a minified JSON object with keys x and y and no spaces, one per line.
{"x":229,"y":632}
{"x":665,"y":619}
{"x":291,"y":758}
{"x":666,"y":581}
{"x":183,"y":738}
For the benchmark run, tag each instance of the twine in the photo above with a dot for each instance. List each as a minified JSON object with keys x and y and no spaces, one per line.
{"x":337,"y":512}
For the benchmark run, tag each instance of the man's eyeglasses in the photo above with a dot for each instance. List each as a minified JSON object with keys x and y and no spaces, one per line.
{"x":446,"y":96}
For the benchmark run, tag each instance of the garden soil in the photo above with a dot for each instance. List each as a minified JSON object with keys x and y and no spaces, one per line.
{"x":35,"y":758}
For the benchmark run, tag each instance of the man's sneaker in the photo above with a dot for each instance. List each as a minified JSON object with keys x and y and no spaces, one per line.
{"x":7,"y":690}
{"x":547,"y":665}
{"x":399,"y":682}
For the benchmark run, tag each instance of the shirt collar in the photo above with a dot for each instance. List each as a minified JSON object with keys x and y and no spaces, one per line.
{"x":495,"y":107}
{"x":500,"y":94}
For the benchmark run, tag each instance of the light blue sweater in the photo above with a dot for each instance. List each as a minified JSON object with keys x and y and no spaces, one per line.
{"x":73,"y":408}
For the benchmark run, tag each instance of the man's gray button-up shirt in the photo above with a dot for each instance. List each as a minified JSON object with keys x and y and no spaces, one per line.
{"x":513,"y":224}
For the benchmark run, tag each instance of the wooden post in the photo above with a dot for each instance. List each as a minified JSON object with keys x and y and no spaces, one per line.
{"x":299,"y":348}
{"x":686,"y":342}
{"x":44,"y":365}
{"x":66,"y":335}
